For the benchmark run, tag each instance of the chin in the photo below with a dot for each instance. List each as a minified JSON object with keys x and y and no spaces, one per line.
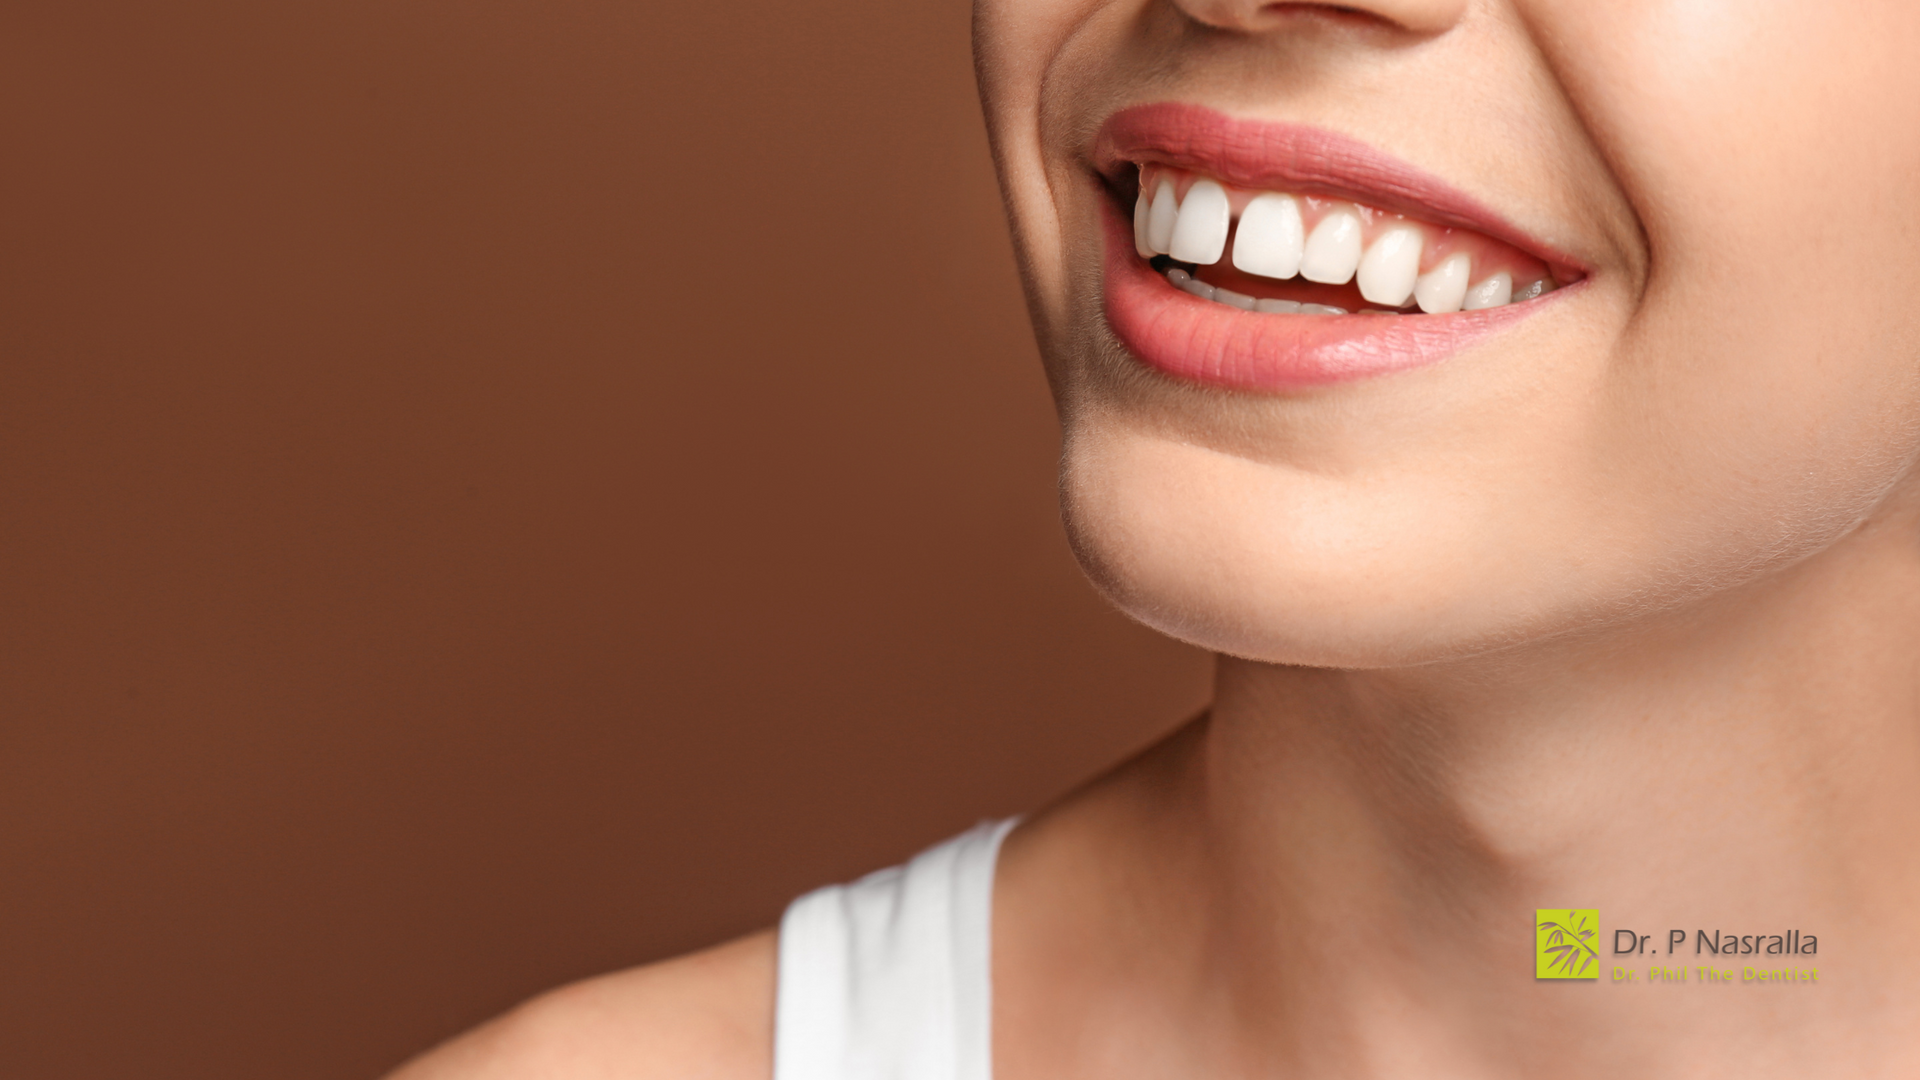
{"x":1275,"y":563}
{"x":1293,"y":614}
{"x":1226,"y":555}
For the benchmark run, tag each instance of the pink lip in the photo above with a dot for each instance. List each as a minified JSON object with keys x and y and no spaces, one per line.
{"x":1197,"y":339}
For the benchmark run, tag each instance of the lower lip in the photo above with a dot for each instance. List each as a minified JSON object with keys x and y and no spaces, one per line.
{"x":1207,"y":342}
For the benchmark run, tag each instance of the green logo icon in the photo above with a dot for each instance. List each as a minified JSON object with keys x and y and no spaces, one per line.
{"x":1563,"y":943}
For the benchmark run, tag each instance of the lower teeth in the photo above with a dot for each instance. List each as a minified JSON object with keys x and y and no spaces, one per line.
{"x":1186,"y":282}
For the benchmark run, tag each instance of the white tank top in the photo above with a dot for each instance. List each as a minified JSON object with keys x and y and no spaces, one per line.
{"x":887,"y":978}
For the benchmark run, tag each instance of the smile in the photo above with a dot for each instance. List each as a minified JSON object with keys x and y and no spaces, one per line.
{"x":1272,"y":256}
{"x":1393,"y":262}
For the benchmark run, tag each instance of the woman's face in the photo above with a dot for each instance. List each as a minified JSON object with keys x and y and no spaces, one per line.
{"x":1719,"y":200}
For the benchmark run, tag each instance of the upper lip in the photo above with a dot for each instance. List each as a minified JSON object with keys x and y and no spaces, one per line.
{"x":1300,"y":159}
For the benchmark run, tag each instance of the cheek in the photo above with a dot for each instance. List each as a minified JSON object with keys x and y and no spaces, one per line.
{"x":1712,"y":111}
{"x":1771,"y":150}
{"x":1015,"y":44}
{"x":1763,"y":389}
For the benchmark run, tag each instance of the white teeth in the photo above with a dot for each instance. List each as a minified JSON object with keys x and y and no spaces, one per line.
{"x":1268,"y":242}
{"x":1185,"y":283}
{"x":1441,"y":289}
{"x":1490,"y":293}
{"x":1333,"y":250}
{"x":1270,"y":238}
{"x":1388,"y":269}
{"x":1200,"y":233}
{"x":1140,"y":227}
{"x":1161,"y":216}
{"x":1233,"y":299}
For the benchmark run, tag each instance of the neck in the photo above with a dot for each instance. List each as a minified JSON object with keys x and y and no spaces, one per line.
{"x":1352,"y":860}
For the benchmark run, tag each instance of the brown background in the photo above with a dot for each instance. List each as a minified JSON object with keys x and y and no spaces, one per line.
{"x":498,"y":491}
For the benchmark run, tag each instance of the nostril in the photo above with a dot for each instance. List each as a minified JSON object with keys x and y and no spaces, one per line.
{"x":1330,"y":13}
{"x":1260,"y":16}
{"x":1284,"y":7}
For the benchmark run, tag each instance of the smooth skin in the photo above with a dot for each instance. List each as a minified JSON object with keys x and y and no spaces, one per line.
{"x":1619,"y":609}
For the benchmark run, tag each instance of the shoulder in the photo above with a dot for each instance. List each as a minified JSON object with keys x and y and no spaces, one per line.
{"x":705,"y":1016}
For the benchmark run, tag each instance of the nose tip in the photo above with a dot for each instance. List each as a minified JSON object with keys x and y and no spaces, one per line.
{"x":1260,"y":16}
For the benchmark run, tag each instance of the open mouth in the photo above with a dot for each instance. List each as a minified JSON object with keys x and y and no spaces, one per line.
{"x":1274,"y":252}
{"x":1272,"y":255}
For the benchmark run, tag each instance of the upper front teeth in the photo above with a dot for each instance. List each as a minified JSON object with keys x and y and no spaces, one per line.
{"x":1160,"y":218}
{"x":1442,"y":288}
{"x":1333,"y":249}
{"x":1200,"y":233}
{"x":1273,"y":241}
{"x":1271,"y":237}
{"x":1388,"y":269}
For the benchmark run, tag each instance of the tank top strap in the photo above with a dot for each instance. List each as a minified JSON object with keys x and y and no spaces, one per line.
{"x":887,"y":978}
